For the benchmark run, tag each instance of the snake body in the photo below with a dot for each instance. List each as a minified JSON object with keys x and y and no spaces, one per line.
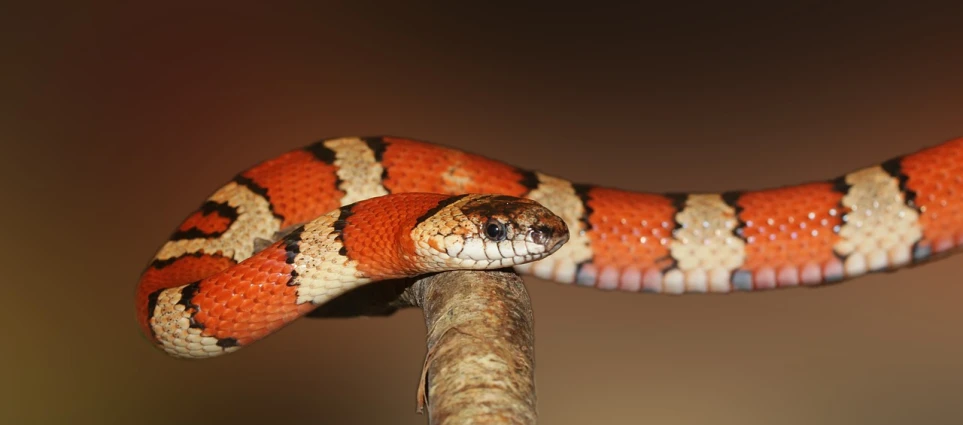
{"x":218,"y":283}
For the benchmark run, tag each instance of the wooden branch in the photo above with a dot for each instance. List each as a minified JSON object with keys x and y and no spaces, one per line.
{"x":480,"y":367}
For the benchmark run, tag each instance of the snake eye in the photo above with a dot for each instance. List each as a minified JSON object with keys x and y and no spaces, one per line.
{"x":495,"y":230}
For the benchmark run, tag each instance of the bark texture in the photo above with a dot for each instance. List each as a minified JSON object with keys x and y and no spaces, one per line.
{"x":480,"y":367}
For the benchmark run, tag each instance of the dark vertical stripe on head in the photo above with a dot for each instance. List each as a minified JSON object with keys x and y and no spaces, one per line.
{"x":210,"y":207}
{"x":259,"y":190}
{"x":894,"y":167}
{"x":441,"y":205}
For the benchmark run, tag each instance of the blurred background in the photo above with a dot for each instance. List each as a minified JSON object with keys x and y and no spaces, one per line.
{"x":118,"y":120}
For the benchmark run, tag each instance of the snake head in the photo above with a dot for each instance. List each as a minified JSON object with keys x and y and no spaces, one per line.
{"x":491,"y":232}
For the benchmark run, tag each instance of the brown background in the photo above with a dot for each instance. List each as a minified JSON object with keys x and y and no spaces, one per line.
{"x":119,"y":120}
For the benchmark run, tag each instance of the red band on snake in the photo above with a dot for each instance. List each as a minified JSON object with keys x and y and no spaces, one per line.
{"x":207,"y":292}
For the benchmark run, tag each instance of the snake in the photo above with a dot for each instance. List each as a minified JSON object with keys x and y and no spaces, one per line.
{"x":293,"y":232}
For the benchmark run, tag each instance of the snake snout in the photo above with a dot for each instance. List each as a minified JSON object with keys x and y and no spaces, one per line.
{"x":541,"y":234}
{"x":551,"y":233}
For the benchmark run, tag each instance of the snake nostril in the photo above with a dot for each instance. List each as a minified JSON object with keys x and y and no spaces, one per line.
{"x":541,"y":235}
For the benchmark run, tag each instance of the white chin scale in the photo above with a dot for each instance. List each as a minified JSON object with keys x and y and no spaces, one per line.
{"x":478,"y":253}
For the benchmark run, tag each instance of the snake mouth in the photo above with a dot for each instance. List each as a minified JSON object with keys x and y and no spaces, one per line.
{"x":503,"y":231}
{"x":548,"y":237}
{"x":514,"y":253}
{"x":519,"y":260}
{"x":543,"y":237}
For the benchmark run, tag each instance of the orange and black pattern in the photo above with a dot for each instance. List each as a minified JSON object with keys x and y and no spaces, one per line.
{"x":901,"y":212}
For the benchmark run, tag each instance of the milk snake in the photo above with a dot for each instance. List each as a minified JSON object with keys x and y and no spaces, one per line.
{"x":204,"y":294}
